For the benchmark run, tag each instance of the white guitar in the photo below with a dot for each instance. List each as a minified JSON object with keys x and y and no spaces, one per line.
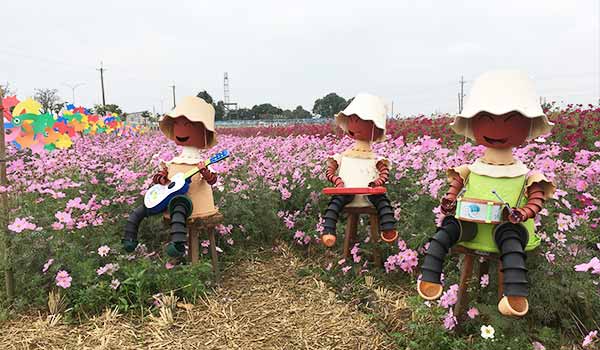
{"x":158,"y":196}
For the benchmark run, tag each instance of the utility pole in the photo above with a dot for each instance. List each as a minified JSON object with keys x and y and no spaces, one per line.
{"x":5,"y":239}
{"x":102,"y":69}
{"x":461,"y":94}
{"x":73,"y":87}
{"x":173,"y":87}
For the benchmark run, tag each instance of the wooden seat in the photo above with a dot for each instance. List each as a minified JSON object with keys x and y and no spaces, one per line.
{"x":466,"y":271}
{"x":350,"y":236}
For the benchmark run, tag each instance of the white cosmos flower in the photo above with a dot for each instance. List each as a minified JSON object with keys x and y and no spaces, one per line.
{"x":487,"y":332}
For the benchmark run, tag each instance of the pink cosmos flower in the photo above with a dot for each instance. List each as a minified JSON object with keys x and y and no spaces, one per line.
{"x":108,"y":269}
{"x":450,"y":297}
{"x":103,"y":250}
{"x":20,"y":225}
{"x":538,"y":346}
{"x":593,"y":264}
{"x":473,"y":312}
{"x":169,"y":265}
{"x":450,"y":320}
{"x":550,"y":257}
{"x":114,"y":284}
{"x":589,"y":338}
{"x":63,"y":279}
{"x":47,"y":265}
{"x":57,"y":226}
{"x":485,"y":280}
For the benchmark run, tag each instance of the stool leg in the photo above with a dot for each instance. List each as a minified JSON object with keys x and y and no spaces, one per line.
{"x":500,"y":280}
{"x":351,"y":227}
{"x":462,"y":297}
{"x":213,"y":252}
{"x":193,"y":244}
{"x":374,"y":223}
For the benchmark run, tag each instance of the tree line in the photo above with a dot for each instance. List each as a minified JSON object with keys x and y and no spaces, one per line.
{"x":324,"y":107}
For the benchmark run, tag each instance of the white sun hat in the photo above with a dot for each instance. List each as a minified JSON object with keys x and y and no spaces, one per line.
{"x":366,"y":107}
{"x":499,"y":92}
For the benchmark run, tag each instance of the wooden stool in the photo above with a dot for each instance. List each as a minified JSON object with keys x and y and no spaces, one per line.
{"x":195,"y":226}
{"x":206,"y":224}
{"x":466,"y":271}
{"x":352,"y":226}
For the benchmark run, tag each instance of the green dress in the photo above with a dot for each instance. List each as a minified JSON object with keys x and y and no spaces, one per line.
{"x":510,"y":189}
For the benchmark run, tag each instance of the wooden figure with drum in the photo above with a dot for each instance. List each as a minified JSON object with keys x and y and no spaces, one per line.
{"x":358,"y":174}
{"x":491,"y":203}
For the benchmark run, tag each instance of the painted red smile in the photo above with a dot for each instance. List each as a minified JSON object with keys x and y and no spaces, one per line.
{"x":182,"y":139}
{"x":495,"y":141}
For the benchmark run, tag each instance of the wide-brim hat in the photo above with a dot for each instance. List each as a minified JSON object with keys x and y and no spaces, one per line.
{"x":500,"y":92}
{"x":194,"y":109}
{"x":366,"y":107}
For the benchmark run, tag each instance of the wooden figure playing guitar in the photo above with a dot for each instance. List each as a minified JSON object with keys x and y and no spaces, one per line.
{"x":192,"y":125}
{"x":358,"y":173}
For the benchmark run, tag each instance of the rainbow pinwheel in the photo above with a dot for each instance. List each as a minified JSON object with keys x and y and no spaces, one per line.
{"x":26,"y":127}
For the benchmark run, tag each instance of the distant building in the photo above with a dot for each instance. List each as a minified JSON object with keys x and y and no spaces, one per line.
{"x":139,"y":118}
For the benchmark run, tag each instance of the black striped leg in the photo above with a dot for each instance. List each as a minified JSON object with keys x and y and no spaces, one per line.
{"x":129,"y":240}
{"x":439,"y":246}
{"x":333,"y":211}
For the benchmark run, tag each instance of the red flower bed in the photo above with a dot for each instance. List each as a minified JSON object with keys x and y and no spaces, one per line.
{"x":576,"y":128}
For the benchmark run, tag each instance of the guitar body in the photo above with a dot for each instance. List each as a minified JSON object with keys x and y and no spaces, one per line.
{"x":157,"y":198}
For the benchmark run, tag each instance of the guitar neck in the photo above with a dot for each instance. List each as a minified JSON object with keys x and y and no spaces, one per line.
{"x":207,"y":162}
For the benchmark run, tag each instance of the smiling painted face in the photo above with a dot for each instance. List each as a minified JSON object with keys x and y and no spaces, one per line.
{"x":500,"y":131}
{"x":364,"y":130}
{"x":191,"y":134}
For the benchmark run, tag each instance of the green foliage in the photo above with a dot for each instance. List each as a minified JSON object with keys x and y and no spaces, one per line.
{"x":49,"y":100}
{"x":329,"y":105}
{"x":109,"y":108}
{"x":298,"y":113}
{"x":266,"y":111}
{"x":205,"y":96}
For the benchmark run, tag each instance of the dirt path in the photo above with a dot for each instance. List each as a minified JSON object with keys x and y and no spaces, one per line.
{"x":262,"y":304}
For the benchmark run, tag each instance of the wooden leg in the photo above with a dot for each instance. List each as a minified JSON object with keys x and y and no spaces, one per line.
{"x":351,"y":227}
{"x":193,"y":244}
{"x":374,"y":223}
{"x":465,"y":275}
{"x":213,"y":252}
{"x":500,"y":280}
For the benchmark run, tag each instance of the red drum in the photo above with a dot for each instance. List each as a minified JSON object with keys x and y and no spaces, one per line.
{"x":353,"y":190}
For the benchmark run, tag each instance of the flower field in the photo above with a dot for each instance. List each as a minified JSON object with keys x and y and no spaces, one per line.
{"x":68,"y":208}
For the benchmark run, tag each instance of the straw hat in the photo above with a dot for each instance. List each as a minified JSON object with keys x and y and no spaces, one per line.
{"x":499,"y":92}
{"x":194,"y":109}
{"x":366,"y":107}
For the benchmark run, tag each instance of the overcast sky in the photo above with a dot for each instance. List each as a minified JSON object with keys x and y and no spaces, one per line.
{"x":291,"y":53}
